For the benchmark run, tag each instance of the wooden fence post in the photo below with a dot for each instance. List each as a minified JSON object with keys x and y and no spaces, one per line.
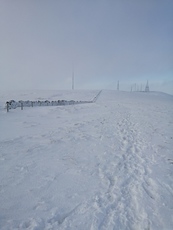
{"x":7,"y":106}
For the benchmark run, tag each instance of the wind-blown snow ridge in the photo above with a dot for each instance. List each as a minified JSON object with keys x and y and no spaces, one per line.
{"x":104,"y":165}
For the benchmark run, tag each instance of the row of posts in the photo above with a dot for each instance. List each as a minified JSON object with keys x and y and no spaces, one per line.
{"x":40,"y":103}
{"x":8,"y":106}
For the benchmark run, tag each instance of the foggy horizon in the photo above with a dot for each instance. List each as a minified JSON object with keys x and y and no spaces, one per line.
{"x":42,"y":43}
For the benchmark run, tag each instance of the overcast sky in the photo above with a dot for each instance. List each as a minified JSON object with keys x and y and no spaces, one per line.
{"x":104,"y":41}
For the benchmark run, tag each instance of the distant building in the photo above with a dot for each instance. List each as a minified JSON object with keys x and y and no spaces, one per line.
{"x":147,"y":87}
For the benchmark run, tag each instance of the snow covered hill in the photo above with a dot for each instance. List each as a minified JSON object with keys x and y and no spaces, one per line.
{"x":104,"y":165}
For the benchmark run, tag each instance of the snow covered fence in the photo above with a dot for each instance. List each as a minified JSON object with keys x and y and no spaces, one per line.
{"x":15,"y":104}
{"x":97,"y":96}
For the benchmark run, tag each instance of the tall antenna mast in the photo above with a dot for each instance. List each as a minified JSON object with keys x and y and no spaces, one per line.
{"x":73,"y":79}
{"x":118,"y":86}
{"x":147,"y":87}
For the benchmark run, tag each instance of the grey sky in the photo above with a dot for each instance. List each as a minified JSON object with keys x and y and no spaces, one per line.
{"x":105,"y":41}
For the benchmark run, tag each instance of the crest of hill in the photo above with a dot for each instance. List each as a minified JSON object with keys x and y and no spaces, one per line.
{"x":106,"y":95}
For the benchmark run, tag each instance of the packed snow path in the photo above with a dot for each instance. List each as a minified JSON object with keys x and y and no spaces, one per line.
{"x":107,"y":165}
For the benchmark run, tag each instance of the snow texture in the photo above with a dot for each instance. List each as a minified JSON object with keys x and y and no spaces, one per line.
{"x":104,"y":165}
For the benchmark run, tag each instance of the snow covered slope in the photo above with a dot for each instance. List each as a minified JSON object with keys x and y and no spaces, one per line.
{"x":106,"y":165}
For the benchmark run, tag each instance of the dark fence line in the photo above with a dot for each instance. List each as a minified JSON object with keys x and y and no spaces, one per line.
{"x":97,"y":96}
{"x":15,"y":104}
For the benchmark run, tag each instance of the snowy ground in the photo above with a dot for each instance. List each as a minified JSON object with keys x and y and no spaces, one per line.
{"x":106,"y":165}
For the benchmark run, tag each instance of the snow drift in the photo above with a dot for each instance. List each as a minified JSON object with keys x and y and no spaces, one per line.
{"x":103,"y":165}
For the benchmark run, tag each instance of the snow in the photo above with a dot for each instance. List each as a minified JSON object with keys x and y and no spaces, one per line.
{"x":103,"y":165}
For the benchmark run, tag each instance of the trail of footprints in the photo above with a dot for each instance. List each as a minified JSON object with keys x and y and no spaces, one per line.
{"x":125,"y":177}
